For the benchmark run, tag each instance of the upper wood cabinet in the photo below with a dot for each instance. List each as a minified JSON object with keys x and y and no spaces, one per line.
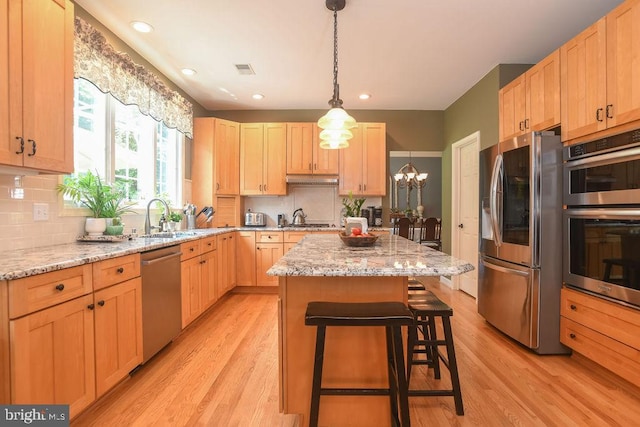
{"x":304,"y":155}
{"x":36,"y":85}
{"x":532,"y":101}
{"x":600,"y":74}
{"x":263,"y":156}
{"x":363,"y":164}
{"x":216,"y":162}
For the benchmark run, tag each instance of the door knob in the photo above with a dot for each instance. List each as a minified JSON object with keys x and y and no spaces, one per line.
{"x":460,"y":225}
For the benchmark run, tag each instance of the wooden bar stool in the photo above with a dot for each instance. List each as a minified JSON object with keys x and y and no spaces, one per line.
{"x":423,"y":339}
{"x":391,"y":315}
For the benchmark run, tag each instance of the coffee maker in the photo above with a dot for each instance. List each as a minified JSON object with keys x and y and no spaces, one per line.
{"x":377,"y":216}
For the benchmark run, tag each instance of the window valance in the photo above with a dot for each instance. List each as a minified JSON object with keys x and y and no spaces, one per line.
{"x":116,"y":73}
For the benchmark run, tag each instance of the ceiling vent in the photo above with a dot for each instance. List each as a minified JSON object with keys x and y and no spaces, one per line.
{"x":245,"y":69}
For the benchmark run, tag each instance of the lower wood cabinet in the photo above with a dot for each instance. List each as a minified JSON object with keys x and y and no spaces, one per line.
{"x":226,"y":263}
{"x":266,"y":255}
{"x":198,"y":276}
{"x":246,"y":258}
{"x":606,"y":332}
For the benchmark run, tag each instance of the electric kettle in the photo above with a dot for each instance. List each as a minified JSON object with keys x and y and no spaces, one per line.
{"x":298,"y":217}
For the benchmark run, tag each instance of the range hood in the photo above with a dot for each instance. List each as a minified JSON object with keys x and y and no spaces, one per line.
{"x":312,"y":179}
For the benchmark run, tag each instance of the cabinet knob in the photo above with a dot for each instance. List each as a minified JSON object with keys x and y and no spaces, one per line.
{"x":21,"y":139}
{"x":33,"y":148}
{"x":91,"y":306}
{"x":573,"y":307}
{"x":60,"y":287}
{"x":572,"y":336}
{"x":204,"y":261}
{"x":191,"y":249}
{"x":460,"y":225}
{"x":120,"y":270}
{"x":101,"y":303}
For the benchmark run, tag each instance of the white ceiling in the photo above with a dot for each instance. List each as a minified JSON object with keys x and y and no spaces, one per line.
{"x":408,"y":54}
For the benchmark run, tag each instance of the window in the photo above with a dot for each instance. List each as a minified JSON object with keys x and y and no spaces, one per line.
{"x":123,"y":145}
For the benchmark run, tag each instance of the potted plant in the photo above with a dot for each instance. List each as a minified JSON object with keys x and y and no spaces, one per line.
{"x":175,"y":219}
{"x":103,"y":200}
{"x":351,"y":206}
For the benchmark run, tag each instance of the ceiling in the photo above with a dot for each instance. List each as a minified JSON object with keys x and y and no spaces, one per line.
{"x":408,"y":54}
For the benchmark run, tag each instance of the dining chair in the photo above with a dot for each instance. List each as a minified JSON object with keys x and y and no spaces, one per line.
{"x":404,"y":227}
{"x":430,"y":229}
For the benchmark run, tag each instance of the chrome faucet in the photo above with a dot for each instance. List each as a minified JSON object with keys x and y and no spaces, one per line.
{"x":147,"y":221}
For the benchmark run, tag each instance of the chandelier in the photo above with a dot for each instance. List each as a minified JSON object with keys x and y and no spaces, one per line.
{"x":409,"y":177}
{"x":336,"y":123}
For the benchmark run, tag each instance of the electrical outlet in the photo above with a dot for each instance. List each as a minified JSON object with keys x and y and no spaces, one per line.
{"x":41,"y":211}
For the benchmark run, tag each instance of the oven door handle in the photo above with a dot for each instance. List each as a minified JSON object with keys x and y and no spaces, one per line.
{"x":603,"y":213}
{"x":494,"y":193}
{"x":606,"y":159}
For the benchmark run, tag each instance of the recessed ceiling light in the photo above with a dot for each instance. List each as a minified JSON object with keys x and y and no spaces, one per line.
{"x":364,"y":96}
{"x":141,"y":27}
{"x":188,"y":71}
{"x":257,"y":96}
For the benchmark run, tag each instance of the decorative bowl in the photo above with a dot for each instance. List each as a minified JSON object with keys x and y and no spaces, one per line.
{"x":114,"y":230}
{"x":359,"y":241}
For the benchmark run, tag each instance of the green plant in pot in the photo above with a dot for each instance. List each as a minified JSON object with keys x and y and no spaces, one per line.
{"x":103,"y":200}
{"x":351,"y":206}
{"x":176,"y":219}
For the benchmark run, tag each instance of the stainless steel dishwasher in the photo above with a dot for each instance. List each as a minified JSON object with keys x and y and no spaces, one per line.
{"x":161,"y":306}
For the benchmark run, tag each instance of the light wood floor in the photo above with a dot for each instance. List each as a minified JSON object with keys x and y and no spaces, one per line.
{"x":222,"y":371}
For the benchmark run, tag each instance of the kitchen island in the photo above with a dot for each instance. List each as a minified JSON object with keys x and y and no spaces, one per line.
{"x":323,"y":268}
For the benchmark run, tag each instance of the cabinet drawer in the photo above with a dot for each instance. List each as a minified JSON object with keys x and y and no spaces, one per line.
{"x":208,"y":244}
{"x":115,"y":270}
{"x":45,"y":290}
{"x":612,"y":354}
{"x":190,"y":249}
{"x":294,"y":236}
{"x":608,"y":318}
{"x":269,"y":237}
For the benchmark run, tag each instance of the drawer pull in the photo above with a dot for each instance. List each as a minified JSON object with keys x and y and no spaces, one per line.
{"x":101,"y":303}
{"x":191,"y":249}
{"x":91,"y":306}
{"x":573,"y":307}
{"x":572,"y":336}
{"x":120,"y":270}
{"x":60,"y":287}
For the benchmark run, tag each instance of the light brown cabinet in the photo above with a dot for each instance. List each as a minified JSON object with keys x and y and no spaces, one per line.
{"x":531,"y":102}
{"x":246,"y":258}
{"x":36,"y":85}
{"x":603,"y":331}
{"x":215,"y":167}
{"x":226,"y":262}
{"x":266,"y":255}
{"x":198,"y":276}
{"x":263,"y":156}
{"x":304,"y":155}
{"x":600,"y":72}
{"x":363,"y":164}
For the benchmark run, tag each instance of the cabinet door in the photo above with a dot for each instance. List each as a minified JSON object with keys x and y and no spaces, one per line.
{"x":583,"y":82}
{"x":47,"y":84}
{"x":52,"y":356}
{"x":351,"y":165}
{"x":275,"y":159}
{"x":300,"y":148}
{"x":118,"y":333}
{"x":325,"y":162}
{"x":543,"y":94}
{"x":202,"y":163}
{"x":266,"y":255}
{"x":191,"y":290}
{"x":231,"y":246}
{"x":246,"y":258}
{"x":511,"y":99}
{"x":223,"y":263}
{"x":227,"y":158}
{"x":623,"y":64}
{"x":251,"y":159}
{"x":8,"y":144}
{"x":209,"y":279}
{"x":374,"y":158}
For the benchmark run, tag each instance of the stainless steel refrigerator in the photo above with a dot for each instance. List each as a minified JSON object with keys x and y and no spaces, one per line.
{"x":520,"y":265}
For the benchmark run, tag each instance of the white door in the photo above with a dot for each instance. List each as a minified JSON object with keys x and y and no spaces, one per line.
{"x":464,"y":210}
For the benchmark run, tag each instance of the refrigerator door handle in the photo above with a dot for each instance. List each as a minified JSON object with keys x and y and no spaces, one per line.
{"x":504,"y":269}
{"x":496,"y":176}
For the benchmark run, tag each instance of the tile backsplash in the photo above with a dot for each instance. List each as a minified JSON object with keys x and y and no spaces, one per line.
{"x":19,"y":230}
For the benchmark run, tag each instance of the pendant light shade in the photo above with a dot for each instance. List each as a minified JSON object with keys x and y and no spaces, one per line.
{"x":337,"y":122}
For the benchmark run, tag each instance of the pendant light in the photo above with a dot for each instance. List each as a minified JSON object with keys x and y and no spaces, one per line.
{"x":337,"y":122}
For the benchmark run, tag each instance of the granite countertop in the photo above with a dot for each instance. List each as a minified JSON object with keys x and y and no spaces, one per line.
{"x":29,"y":262}
{"x":327,"y":255}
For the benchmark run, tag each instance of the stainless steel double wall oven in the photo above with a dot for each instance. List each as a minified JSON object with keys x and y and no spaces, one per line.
{"x":602,"y":217}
